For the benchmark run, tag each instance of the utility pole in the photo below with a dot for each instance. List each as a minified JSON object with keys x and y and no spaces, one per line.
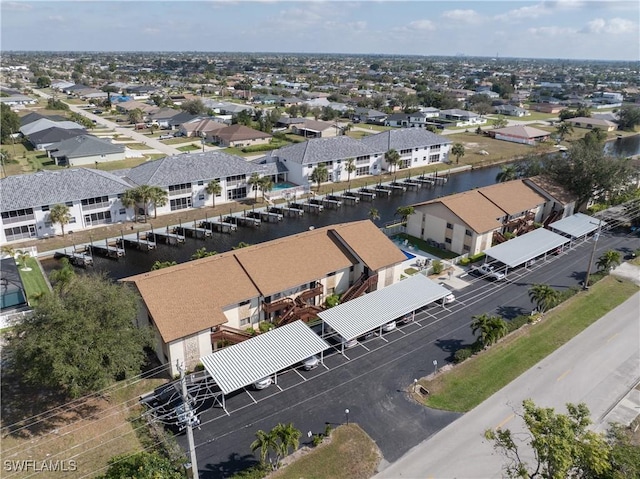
{"x":585,"y":286}
{"x":188,"y":416}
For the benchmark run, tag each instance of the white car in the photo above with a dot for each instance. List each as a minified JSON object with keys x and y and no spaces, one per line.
{"x":389,"y":326}
{"x":310,"y":363}
{"x":351,"y":343}
{"x":263,"y":383}
{"x":488,"y":271}
{"x":448,"y":299}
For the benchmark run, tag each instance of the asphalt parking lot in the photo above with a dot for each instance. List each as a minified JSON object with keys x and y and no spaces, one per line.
{"x":372,"y":382}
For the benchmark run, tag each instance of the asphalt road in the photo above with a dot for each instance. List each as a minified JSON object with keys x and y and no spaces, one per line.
{"x":599,"y":365}
{"x":372,"y":384}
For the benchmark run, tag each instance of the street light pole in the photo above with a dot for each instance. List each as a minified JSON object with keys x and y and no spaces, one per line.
{"x":435,"y":366}
{"x":585,"y":286}
{"x":346,"y":412}
{"x":188,"y":416}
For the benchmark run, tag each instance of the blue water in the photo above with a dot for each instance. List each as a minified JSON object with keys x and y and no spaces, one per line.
{"x":283,"y":186}
{"x":408,"y":255}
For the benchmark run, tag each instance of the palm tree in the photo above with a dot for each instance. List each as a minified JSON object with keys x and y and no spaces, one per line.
{"x":350,"y":166}
{"x":498,"y":329}
{"x":507,"y":173}
{"x":8,"y":250}
{"x":563,"y":129}
{"x":60,"y":214}
{"x":143,"y":195}
{"x":265,"y":441}
{"x":130,"y":200}
{"x":241,"y":245}
{"x":254,"y":181}
{"x":491,"y":328}
{"x":457,"y":150}
{"x":320,"y":174}
{"x":158,"y":197}
{"x":609,"y":260}
{"x":543,"y":296}
{"x":214,"y":189}
{"x":392,"y":157}
{"x":135,"y":116}
{"x":265,"y":185}
{"x":289,"y":437}
{"x":203,"y":253}
{"x":404,"y":212}
{"x":22,"y":257}
{"x":374,"y":214}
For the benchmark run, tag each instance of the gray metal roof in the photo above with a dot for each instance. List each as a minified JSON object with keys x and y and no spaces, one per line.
{"x":53,"y":187}
{"x":190,"y":167}
{"x":244,"y":363}
{"x":358,"y":316}
{"x":84,"y":145}
{"x":577,"y":225}
{"x":526,"y":247}
{"x":54,"y":135}
{"x":44,"y":123}
{"x":403,"y":138}
{"x":318,"y":150}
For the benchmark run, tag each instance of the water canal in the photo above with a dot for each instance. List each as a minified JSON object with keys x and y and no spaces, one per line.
{"x":136,"y":262}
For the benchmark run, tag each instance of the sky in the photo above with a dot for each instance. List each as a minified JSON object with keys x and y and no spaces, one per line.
{"x":571,"y":29}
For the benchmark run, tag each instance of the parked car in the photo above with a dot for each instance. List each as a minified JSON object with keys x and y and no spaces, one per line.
{"x":263,"y":383}
{"x":310,"y":363}
{"x":351,"y":343}
{"x":97,"y":112}
{"x":389,"y":327}
{"x":488,"y":271}
{"x":165,"y":137}
{"x":448,"y":299}
{"x":407,"y":318}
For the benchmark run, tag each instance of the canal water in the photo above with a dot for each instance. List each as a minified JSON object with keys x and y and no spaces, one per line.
{"x":625,"y":147}
{"x":136,"y":262}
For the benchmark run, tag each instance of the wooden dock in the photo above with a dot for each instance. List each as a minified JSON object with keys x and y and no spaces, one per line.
{"x":172,"y":239}
{"x":219,"y":226}
{"x":349,"y":198}
{"x":383,"y":190}
{"x":426,"y":180}
{"x":286,"y":211}
{"x":107,"y":250}
{"x":243,"y":221}
{"x":366,"y":194}
{"x":314,"y":205}
{"x":397,"y":187}
{"x":80,"y":259}
{"x":410,"y":183}
{"x":270,"y":216}
{"x":332,"y":201}
{"x":193,"y":232}
{"x":141,"y":243}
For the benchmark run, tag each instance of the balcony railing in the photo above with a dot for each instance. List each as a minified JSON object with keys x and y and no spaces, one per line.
{"x":95,"y":206}
{"x":17,"y":219}
{"x":183,"y":191}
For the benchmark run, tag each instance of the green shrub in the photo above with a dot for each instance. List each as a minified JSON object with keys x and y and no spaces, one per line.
{"x":437,"y":267}
{"x":332,"y":300}
{"x":477,"y":257}
{"x":256,"y":472}
{"x":509,"y":235}
{"x":518,"y":322}
{"x":462,"y":354}
{"x":265,"y":326}
{"x":317,"y":439}
{"x":465,"y":262}
{"x":328,"y":429}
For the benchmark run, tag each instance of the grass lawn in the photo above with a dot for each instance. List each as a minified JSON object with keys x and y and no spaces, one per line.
{"x":92,"y":432}
{"x":120,"y":165}
{"x":422,"y":245}
{"x":179,"y":140}
{"x":189,"y":147}
{"x":499,"y":150}
{"x":358,"y":134}
{"x":377,"y":128}
{"x":33,"y":281}
{"x":137,"y":146}
{"x":538,"y":116}
{"x":474,"y":380}
{"x":349,"y":454}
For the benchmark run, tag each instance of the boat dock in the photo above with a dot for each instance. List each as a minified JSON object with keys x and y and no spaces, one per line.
{"x":331,"y":201}
{"x":219,"y":226}
{"x":270,"y":216}
{"x":286,"y":211}
{"x":80,"y":259}
{"x":432,"y":180}
{"x":172,"y":239}
{"x":141,"y":243}
{"x":243,"y":221}
{"x":314,"y":205}
{"x":310,"y":207}
{"x":409,"y":184}
{"x":397,"y":187}
{"x":193,"y":232}
{"x":107,"y":250}
{"x":349,"y":198}
{"x":367,"y":194}
{"x":383,"y":190}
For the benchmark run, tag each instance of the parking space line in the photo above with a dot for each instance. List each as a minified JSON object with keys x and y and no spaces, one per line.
{"x":278,"y":386}
{"x":326,"y":367}
{"x":298,"y":373}
{"x":252,"y":398}
{"x":365,"y":347}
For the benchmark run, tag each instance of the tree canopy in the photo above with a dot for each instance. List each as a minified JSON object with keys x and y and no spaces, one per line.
{"x":629,"y":117}
{"x":142,"y":465}
{"x":81,"y":337}
{"x":10,"y":122}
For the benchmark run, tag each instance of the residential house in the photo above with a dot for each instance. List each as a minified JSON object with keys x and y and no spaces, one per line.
{"x":35,"y":116}
{"x":466,"y":223}
{"x":44,"y":123}
{"x":145,"y":108}
{"x":552,"y":108}
{"x":461,"y":117}
{"x":239,"y":136}
{"x":367,"y":115}
{"x":200,"y":128}
{"x":169,"y":118}
{"x":590,"y":123}
{"x":91,"y":195}
{"x":18,"y":100}
{"x":527,"y":135}
{"x":560,"y":203}
{"x":314,"y":129}
{"x":44,"y":138}
{"x":275,"y":281}
{"x":85,"y":150}
{"x":416,"y":146}
{"x":511,"y":110}
{"x":407,"y":120}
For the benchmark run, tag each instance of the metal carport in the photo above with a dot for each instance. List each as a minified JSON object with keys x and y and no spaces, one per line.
{"x":264,"y":355}
{"x":524,"y":248}
{"x":366,"y":313}
{"x":577,"y":226}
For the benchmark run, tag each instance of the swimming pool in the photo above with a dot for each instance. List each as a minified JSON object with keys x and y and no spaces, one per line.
{"x":408,"y":255}
{"x":283,"y":186}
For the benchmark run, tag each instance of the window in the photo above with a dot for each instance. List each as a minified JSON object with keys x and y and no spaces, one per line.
{"x":16,"y":216}
{"x":245,"y":321}
{"x":434,"y":158}
{"x":466,"y":248}
{"x":468,"y":232}
{"x":362,"y":171}
{"x":180,"y":203}
{"x":201,"y":197}
{"x":434,"y":147}
{"x":69,"y":203}
{"x":200,"y":183}
{"x":447,"y":240}
{"x":94,"y":203}
{"x":449,"y":226}
{"x":237,"y":193}
{"x":45,"y":208}
{"x":20,"y":232}
{"x":405,"y":152}
{"x":122,"y":211}
{"x":180,"y":189}
{"x":72,"y":220}
{"x":100,"y":218}
{"x":244,"y":303}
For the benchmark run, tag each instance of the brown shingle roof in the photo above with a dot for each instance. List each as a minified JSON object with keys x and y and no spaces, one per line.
{"x":553,"y":189}
{"x":190,"y":297}
{"x":239,"y":133}
{"x":512,"y":196}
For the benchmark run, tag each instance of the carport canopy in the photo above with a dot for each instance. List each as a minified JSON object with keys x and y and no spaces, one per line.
{"x":366,"y":313}
{"x":242,"y":364}
{"x":524,"y":248}
{"x":577,"y":226}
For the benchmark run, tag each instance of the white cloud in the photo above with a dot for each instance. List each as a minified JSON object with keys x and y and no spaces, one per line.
{"x":610,"y":27}
{"x":524,"y":13}
{"x":16,"y":6}
{"x":150,"y":31}
{"x":462,"y":16}
{"x":551,"y":31}
{"x":56,"y":18}
{"x":425,"y":25}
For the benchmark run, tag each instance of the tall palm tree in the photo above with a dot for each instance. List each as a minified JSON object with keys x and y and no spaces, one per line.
{"x":319,"y":175}
{"x":158,"y":197}
{"x":289,"y":437}
{"x":266,"y":442}
{"x":130,"y":200}
{"x":374,"y":214}
{"x":404,"y":212}
{"x":491,"y":328}
{"x":457,"y":150}
{"x":543,"y":296}
{"x":265,"y":185}
{"x":498,"y":329}
{"x":609,"y":260}
{"x":350,"y":166}
{"x":507,"y":173}
{"x":60,"y":214}
{"x":563,"y":129}
{"x":22,"y":257}
{"x":392,"y":157}
{"x":214,"y":189}
{"x":254,"y":181}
